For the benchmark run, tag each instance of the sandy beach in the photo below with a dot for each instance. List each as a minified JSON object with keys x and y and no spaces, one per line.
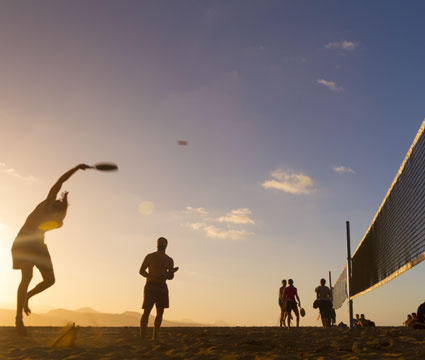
{"x":219,"y":343}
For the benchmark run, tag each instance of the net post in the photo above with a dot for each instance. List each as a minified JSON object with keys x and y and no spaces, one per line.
{"x":330,"y":279}
{"x":330,"y":284}
{"x":350,"y":301}
{"x":332,"y":320}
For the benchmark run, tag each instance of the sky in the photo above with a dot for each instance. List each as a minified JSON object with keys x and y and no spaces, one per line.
{"x":297,"y":117}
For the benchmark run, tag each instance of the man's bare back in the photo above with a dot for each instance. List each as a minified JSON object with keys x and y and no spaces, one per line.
{"x":160,"y":267}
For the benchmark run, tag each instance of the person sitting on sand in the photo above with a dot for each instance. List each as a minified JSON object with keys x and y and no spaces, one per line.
{"x":290,"y":293}
{"x":29,"y":249}
{"x":161,"y":268}
{"x":356,"y":321}
{"x":323,"y":294}
{"x":282,"y":304}
{"x":419,"y":322}
{"x":408,"y":321}
{"x":421,"y":313}
{"x":365,"y":322}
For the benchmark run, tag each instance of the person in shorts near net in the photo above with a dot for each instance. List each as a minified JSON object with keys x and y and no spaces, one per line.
{"x":291,"y":297}
{"x":160,"y":269}
{"x":323,"y":294}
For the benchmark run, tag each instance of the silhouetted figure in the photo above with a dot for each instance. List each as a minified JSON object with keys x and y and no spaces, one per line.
{"x":29,"y":249}
{"x":333,"y":315}
{"x":420,"y":313}
{"x":365,"y":322}
{"x":419,"y":321}
{"x":356,"y":321}
{"x":408,"y":321}
{"x":290,"y":294}
{"x":161,"y":268}
{"x":282,"y":304}
{"x":323,"y":294}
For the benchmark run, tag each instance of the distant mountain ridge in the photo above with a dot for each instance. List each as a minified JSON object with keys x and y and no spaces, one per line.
{"x":86,"y":316}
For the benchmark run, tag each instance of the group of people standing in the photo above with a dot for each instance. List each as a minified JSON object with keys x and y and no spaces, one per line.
{"x":289,"y":301}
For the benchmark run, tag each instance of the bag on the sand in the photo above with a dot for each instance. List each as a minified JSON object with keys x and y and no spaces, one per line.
{"x":315,"y":304}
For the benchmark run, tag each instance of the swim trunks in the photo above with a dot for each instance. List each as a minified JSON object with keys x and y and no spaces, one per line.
{"x":155,"y":294}
{"x":31,"y":252}
{"x":291,"y":305}
{"x":325,"y":309}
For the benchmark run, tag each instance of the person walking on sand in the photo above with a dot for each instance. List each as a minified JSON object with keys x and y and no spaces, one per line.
{"x":323,"y":294}
{"x":282,"y":304}
{"x":29,"y":249}
{"x":161,"y":268}
{"x":291,"y":295}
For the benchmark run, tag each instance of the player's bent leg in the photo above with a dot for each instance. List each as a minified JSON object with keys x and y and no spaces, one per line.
{"x":48,"y":280}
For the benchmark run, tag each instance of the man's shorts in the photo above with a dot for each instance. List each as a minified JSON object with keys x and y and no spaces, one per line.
{"x":31,"y":252}
{"x":291,"y":305}
{"x":155,"y":294}
{"x":325,"y":309}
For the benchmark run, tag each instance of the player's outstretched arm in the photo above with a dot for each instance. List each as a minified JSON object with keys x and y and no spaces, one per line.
{"x":56,"y":188}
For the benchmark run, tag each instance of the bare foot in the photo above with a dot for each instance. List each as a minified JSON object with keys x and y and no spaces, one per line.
{"x":26,"y":309}
{"x":20,"y":327}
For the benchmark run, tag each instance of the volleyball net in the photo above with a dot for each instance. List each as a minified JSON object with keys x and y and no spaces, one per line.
{"x":395,"y":239}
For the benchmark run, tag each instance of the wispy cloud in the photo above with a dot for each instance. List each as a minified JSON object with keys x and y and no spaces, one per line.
{"x":343,"y":170}
{"x":329,"y":84}
{"x":231,"y":225}
{"x":219,"y":233}
{"x":12,"y":172}
{"x":201,"y":211}
{"x":196,"y":225}
{"x":238,"y":216}
{"x":342,"y":45}
{"x":290,"y":182}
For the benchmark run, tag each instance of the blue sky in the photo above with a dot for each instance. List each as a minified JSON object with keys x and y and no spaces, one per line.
{"x":277,"y":92}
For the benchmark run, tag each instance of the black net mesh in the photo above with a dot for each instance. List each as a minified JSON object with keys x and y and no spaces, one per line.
{"x":395,"y":241}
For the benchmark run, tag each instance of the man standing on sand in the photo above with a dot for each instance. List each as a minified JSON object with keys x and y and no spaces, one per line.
{"x":290,"y":294}
{"x":161,"y":268}
{"x":323,"y":294}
